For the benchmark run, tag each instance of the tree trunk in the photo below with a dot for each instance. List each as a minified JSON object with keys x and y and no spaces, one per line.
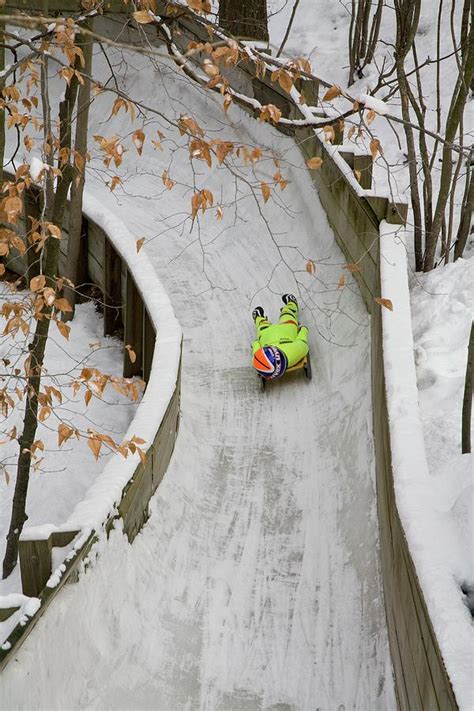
{"x":407,"y":16}
{"x":2,"y":111}
{"x":362,"y":43}
{"x":54,"y":212}
{"x":467,"y":401}
{"x":466,"y":213}
{"x":73,"y":265}
{"x":245,"y":19}
{"x":456,"y":110}
{"x":412,"y":169}
{"x":467,"y":12}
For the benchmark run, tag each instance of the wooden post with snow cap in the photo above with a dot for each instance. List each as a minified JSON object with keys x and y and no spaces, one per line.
{"x":36,"y":561}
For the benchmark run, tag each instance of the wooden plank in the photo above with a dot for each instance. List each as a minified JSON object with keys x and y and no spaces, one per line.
{"x":36,"y":560}
{"x":354,"y":221}
{"x":95,"y":254}
{"x":435,"y":663}
{"x":133,"y":329}
{"x":133,"y":507}
{"x":310,"y":89}
{"x":149,"y":340}
{"x":408,"y":632}
{"x":165,"y":438}
{"x":364,"y":165}
{"x":59,"y":539}
{"x":82,"y":270}
{"x":112,"y":289}
{"x":6,"y":612}
{"x":35,"y":565}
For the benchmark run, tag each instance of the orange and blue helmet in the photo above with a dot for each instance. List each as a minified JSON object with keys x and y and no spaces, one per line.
{"x":270,"y":362}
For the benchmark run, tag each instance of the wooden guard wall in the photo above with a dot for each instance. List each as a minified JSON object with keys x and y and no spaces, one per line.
{"x":125,"y":315}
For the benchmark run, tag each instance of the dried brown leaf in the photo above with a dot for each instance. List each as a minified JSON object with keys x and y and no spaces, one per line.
{"x":332,"y":93}
{"x":386,"y":303}
{"x":310,"y":266}
{"x":314,"y":163}
{"x":265,"y":188}
{"x":143,"y":17}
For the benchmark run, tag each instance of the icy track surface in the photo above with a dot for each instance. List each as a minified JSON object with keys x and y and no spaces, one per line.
{"x":255,"y":583}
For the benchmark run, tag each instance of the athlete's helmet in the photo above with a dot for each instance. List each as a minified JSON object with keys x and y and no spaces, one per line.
{"x":270,"y":362}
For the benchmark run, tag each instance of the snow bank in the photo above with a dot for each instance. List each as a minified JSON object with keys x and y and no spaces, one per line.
{"x":429,"y":507}
{"x":101,"y":498}
{"x":442,"y":305}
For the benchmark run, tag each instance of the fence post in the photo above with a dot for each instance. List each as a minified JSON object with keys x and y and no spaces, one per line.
{"x":467,"y":400}
{"x":36,"y":560}
{"x":363,"y":165}
{"x":112,"y":289}
{"x":133,"y":335}
{"x":149,"y":338}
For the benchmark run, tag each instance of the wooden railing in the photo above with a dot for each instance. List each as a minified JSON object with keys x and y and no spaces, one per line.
{"x":130,"y":312}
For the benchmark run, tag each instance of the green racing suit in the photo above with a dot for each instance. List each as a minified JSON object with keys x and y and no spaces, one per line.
{"x":286,"y":335}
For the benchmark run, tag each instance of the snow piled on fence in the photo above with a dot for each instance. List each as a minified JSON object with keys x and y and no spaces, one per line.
{"x":99,"y":501}
{"x":433,"y":505}
{"x":27,"y":607}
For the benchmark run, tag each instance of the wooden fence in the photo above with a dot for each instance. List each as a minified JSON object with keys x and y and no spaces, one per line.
{"x":126,"y":313}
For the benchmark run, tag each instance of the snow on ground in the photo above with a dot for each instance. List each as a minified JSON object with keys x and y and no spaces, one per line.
{"x":320,"y":32}
{"x":256,"y":581}
{"x":442,"y":305}
{"x":65,"y":473}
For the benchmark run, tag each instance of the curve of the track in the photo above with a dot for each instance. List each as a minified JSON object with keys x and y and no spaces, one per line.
{"x":255,"y":583}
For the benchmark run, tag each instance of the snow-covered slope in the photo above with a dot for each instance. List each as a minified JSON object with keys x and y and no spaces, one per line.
{"x":255,"y":583}
{"x":62,"y":480}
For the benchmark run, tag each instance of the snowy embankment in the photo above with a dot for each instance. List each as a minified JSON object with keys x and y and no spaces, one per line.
{"x":434,"y":493}
{"x":61,"y":476}
{"x":256,"y":580}
{"x":93,"y":510}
